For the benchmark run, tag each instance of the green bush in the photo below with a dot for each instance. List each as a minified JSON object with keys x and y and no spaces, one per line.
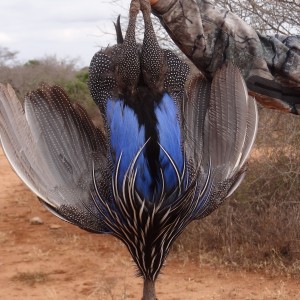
{"x":32,"y":74}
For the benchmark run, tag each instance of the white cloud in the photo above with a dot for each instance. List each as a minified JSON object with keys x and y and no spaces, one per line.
{"x":71,"y":28}
{"x":66,"y":34}
{"x":5,"y":38}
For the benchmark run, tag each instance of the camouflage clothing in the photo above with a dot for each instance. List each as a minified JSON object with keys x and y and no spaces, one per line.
{"x":209,"y":36}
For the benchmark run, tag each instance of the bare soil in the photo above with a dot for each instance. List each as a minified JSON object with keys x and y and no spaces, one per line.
{"x":56,"y":260}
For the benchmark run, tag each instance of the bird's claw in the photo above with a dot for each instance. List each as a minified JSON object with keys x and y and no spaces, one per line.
{"x":135,"y":7}
{"x":145,"y":6}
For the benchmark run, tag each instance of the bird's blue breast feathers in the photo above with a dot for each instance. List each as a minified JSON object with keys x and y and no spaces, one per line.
{"x":127,"y":137}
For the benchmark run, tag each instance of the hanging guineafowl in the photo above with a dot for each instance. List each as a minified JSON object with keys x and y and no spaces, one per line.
{"x":173,"y":149}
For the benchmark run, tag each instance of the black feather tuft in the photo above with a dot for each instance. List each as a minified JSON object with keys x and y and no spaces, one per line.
{"x":119,"y":33}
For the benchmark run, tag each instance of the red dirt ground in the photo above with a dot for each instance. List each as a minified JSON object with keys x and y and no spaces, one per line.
{"x":56,"y":260}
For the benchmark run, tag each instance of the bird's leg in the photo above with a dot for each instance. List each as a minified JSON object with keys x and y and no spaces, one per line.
{"x":152,"y":57}
{"x":130,"y":33}
{"x":128,"y":69}
{"x":149,"y":290}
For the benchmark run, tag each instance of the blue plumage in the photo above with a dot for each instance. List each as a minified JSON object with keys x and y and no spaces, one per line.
{"x":170,"y":140}
{"x":127,"y":137}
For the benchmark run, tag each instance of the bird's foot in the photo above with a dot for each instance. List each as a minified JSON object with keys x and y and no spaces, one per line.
{"x":145,"y":6}
{"x":134,"y":7}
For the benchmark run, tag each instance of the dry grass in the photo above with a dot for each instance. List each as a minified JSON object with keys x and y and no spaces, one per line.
{"x":31,"y":278}
{"x":259,"y":226}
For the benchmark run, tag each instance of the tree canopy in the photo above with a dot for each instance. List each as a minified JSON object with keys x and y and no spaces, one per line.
{"x":267,"y":17}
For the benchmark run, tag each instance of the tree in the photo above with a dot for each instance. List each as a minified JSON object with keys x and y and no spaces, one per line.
{"x":267,"y":17}
{"x":7,"y":55}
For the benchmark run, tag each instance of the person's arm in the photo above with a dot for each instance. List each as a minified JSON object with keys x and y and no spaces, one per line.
{"x":210,"y":36}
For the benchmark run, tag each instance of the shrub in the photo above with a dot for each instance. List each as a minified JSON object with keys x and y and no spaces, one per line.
{"x":260,"y":224}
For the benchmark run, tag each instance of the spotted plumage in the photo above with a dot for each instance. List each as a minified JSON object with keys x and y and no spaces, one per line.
{"x":173,"y":148}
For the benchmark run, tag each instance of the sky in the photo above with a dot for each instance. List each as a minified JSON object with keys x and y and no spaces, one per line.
{"x":69,"y":29}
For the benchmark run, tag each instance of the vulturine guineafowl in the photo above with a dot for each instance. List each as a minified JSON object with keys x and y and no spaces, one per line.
{"x":173,"y":149}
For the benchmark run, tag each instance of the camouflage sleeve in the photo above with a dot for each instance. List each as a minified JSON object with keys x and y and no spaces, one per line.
{"x":209,"y":36}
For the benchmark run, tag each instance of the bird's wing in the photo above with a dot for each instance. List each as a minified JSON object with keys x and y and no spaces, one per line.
{"x":194,"y":110}
{"x":232,"y":122}
{"x":57,"y":151}
{"x":226,"y":124}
